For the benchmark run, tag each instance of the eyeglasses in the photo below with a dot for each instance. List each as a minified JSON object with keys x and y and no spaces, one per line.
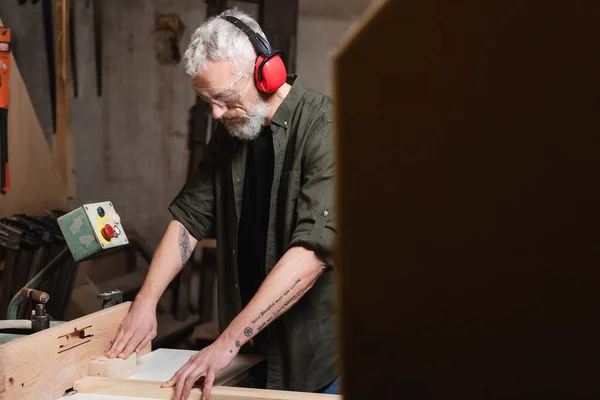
{"x":225,"y":94}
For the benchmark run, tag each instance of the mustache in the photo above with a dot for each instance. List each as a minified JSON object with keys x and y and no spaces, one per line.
{"x":232,"y":116}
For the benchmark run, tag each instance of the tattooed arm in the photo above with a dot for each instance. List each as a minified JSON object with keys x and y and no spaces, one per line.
{"x":139,"y":327}
{"x":293,"y":275}
{"x":171,"y":255}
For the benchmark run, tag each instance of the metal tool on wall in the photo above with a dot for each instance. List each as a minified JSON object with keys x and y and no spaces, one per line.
{"x":4,"y":100}
{"x":73,"y":48}
{"x":47,"y":13}
{"x":98,"y":17}
{"x":48,"y":21}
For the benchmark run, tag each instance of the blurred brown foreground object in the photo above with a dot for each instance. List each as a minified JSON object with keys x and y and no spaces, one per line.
{"x":468,"y":139}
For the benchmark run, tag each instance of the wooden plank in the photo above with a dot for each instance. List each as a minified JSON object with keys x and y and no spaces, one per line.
{"x":64,"y":146}
{"x":482,"y":200}
{"x":42,"y":366}
{"x":113,"y":367}
{"x":152,"y":390}
{"x":35,"y":182}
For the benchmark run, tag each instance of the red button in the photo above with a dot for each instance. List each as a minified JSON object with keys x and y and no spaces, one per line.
{"x":108,"y":232}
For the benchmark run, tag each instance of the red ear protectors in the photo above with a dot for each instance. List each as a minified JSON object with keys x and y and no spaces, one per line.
{"x":269,"y":69}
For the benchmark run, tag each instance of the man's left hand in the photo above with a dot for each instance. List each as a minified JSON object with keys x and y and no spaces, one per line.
{"x":206,"y":363}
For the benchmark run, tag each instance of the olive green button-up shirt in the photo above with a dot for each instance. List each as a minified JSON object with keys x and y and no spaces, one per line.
{"x":301,"y":349}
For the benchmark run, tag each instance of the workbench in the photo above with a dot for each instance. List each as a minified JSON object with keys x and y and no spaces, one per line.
{"x":68,"y":362}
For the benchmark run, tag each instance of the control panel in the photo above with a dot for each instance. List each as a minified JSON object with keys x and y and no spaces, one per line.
{"x":92,"y":228}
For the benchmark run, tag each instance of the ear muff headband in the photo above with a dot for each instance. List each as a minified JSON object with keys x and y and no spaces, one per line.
{"x":257,"y":40}
{"x":269,"y":69}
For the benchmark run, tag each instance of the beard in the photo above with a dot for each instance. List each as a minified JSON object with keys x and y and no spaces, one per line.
{"x":247,"y":127}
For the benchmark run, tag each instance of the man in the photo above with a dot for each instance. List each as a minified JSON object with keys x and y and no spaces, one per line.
{"x":267,"y":184}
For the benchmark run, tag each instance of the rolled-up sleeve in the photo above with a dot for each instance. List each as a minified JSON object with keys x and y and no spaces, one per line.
{"x":316,"y":223}
{"x":194,"y":205}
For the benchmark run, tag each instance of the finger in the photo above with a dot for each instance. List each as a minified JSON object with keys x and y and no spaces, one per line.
{"x":109,"y":352}
{"x":144,"y":342}
{"x":119,"y":343}
{"x":134,"y":341}
{"x":189,"y":383}
{"x":178,"y":383}
{"x":118,"y":337}
{"x":208,"y":384}
{"x":181,"y":381}
{"x":171,"y":382}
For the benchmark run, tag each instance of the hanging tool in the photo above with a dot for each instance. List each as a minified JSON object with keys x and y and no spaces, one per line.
{"x":72,"y":48}
{"x":4,"y":73}
{"x":48,"y":22}
{"x":98,"y":43}
{"x":47,"y":11}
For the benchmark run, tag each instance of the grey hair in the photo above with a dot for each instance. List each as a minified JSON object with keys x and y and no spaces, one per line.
{"x":219,"y":40}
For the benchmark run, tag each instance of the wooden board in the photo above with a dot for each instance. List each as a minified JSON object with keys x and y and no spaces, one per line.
{"x":113,"y":367}
{"x":469,"y":219}
{"x":44,"y":365}
{"x":35,"y":182}
{"x":64,"y":144}
{"x":152,"y":390}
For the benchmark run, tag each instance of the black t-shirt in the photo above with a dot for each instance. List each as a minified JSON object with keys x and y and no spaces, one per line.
{"x":254,"y":220}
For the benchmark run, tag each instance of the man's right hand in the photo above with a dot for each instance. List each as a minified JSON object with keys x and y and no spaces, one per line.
{"x":139,"y":327}
{"x":136,"y":331}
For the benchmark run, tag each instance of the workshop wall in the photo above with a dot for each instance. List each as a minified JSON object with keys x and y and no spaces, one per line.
{"x":132,"y":142}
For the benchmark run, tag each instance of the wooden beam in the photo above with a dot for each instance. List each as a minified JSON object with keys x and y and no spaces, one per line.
{"x":42,"y":366}
{"x":279,"y":21}
{"x":152,"y":390}
{"x":64,"y":146}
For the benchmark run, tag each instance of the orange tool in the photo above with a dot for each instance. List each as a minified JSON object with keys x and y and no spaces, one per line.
{"x":4,"y":72}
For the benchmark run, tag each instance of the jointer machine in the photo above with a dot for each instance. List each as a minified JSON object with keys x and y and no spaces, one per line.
{"x":65,"y":359}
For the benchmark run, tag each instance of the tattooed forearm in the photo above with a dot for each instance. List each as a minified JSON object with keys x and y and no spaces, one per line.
{"x":280,"y":310}
{"x":184,"y":244}
{"x":266,"y":310}
{"x":283,"y":302}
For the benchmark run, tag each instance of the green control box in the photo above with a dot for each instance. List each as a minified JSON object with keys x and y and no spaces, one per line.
{"x":91,"y":229}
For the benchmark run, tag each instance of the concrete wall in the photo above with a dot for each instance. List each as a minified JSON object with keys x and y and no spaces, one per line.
{"x":132,"y":141}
